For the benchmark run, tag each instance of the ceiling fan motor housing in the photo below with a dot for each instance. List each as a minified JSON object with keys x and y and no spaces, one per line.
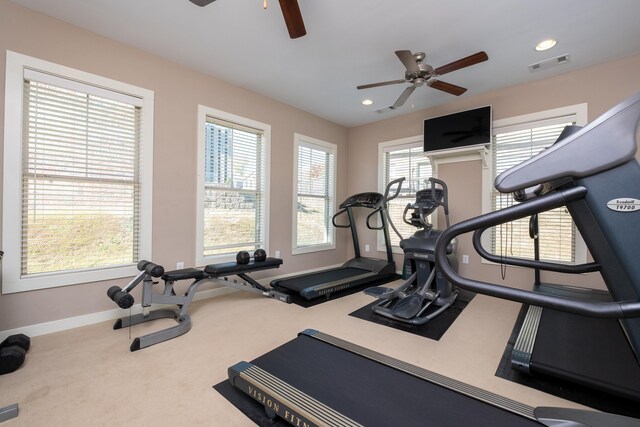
{"x":420,"y":77}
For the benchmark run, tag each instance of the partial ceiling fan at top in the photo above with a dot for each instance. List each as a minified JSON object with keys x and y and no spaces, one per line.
{"x":419,"y":73}
{"x":290,"y":11}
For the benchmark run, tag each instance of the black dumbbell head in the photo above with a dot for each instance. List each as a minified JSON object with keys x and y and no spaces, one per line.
{"x":243,"y":257}
{"x":21,"y":340}
{"x":260,"y":255}
{"x":11,"y":358}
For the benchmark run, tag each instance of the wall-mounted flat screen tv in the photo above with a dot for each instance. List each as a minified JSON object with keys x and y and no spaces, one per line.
{"x":457,"y":130}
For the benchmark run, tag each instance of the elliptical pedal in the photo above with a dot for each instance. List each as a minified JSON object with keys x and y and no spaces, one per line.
{"x":381,"y":292}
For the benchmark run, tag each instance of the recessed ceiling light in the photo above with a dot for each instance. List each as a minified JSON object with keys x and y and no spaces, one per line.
{"x":546,"y":44}
{"x":367,"y":102}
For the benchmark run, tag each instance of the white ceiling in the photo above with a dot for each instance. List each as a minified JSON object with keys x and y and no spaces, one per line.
{"x":352,"y":42}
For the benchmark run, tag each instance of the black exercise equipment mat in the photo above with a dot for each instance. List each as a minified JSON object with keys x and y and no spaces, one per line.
{"x":303,"y":282}
{"x":588,"y":351}
{"x":366,"y":391}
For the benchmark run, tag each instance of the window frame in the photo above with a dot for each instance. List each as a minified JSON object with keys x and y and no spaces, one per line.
{"x":577,"y":112}
{"x":397,"y":145}
{"x":330,"y":148}
{"x":203,"y":112}
{"x":12,"y":281}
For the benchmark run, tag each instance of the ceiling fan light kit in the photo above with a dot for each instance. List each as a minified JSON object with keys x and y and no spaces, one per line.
{"x":419,"y":73}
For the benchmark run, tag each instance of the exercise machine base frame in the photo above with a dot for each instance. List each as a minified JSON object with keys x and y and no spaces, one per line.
{"x":214,"y":273}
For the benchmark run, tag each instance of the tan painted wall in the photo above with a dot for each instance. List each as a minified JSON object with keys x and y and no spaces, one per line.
{"x":601,"y":87}
{"x":178,"y":91}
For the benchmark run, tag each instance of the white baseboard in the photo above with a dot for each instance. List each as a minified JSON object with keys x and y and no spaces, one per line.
{"x":102,"y":316}
{"x":116,"y":313}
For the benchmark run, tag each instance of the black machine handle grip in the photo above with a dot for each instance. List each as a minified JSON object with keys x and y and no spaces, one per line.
{"x":612,"y":310}
{"x":533,"y":226}
{"x":399,"y":182}
{"x":445,"y":194}
{"x":373,"y":227}
{"x":445,"y":197}
{"x":404,"y":214}
{"x":333,"y":220}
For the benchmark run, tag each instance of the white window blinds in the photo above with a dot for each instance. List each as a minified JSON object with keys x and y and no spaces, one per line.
{"x":410,"y":162}
{"x":511,"y":146}
{"x":80,"y":176}
{"x":315,"y":201}
{"x":234,"y":202}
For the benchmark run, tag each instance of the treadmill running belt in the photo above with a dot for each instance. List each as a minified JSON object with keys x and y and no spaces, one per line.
{"x":320,"y":278}
{"x":374,"y":394}
{"x":589,"y":351}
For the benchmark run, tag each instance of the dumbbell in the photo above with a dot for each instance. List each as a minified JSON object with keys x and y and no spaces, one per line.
{"x":21,"y":340}
{"x":12,"y":352}
{"x":243,"y":257}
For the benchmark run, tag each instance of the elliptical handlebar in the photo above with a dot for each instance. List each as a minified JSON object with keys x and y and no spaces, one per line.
{"x":610,"y":310}
{"x":386,"y":199}
{"x":398,"y":181}
{"x":444,"y":201}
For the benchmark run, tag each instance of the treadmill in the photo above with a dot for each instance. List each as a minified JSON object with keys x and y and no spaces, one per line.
{"x":594,"y":173}
{"x":358,"y":270}
{"x":590,"y":351}
{"x":317,"y":379}
{"x":320,"y":380}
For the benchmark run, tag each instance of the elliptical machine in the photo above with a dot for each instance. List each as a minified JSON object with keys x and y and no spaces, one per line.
{"x":414,"y":301}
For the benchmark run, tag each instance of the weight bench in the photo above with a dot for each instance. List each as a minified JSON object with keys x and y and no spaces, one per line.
{"x":214,"y":273}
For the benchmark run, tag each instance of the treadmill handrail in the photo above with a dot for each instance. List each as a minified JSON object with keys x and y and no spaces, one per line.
{"x":372,"y":227}
{"x":612,"y":310}
{"x":522,"y":262}
{"x":333,"y":219}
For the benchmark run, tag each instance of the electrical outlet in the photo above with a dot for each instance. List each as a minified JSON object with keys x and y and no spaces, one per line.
{"x":366,"y":248}
{"x":465,"y":259}
{"x":179,"y":265}
{"x":277,"y":254}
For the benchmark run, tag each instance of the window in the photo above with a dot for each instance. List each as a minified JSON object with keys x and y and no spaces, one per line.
{"x":314,"y":186}
{"x":77,"y":183}
{"x":232,"y":185}
{"x":514,"y":141}
{"x":403,"y":158}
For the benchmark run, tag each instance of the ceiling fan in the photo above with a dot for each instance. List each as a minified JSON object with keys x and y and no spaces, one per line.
{"x":290,"y":10}
{"x":419,"y":73}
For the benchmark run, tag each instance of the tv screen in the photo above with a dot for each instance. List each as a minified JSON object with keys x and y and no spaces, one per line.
{"x":463,"y":129}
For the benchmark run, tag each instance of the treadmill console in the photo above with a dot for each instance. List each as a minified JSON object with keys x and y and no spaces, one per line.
{"x":363,"y":200}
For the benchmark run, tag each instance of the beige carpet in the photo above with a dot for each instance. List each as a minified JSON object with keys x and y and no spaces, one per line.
{"x":87,"y":376}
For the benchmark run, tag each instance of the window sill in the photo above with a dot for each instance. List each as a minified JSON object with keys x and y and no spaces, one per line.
{"x":311,"y":249}
{"x":17,"y":284}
